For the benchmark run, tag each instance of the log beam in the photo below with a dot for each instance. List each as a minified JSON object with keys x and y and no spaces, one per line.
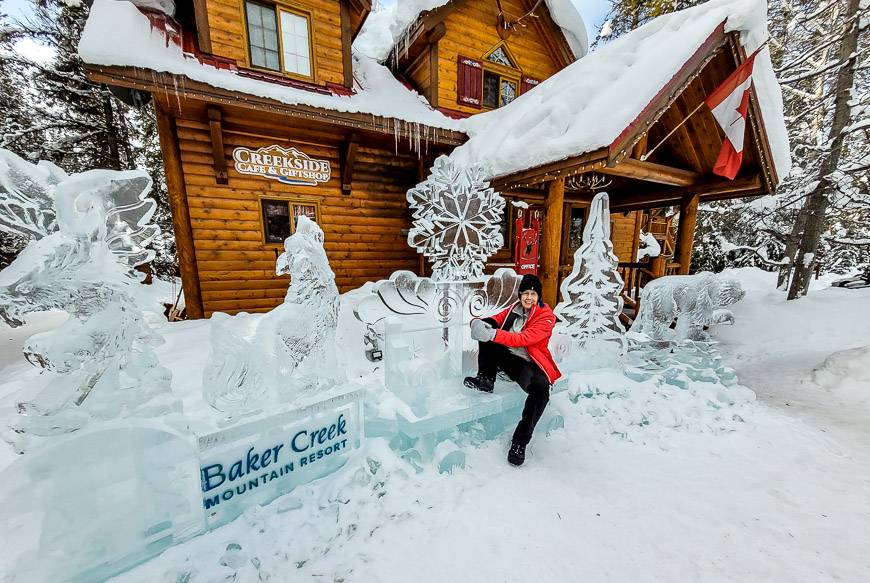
{"x":686,"y":232}
{"x":652,"y":172}
{"x":180,"y":213}
{"x":551,"y":240}
{"x":346,"y":40}
{"x":713,"y":190}
{"x":348,"y":157}
{"x":217,"y":145}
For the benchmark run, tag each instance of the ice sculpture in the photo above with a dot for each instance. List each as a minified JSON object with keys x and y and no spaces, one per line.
{"x":650,"y":246}
{"x":88,"y":231}
{"x":457,"y":219}
{"x":294,"y":341}
{"x":99,"y":501}
{"x":589,"y":311}
{"x":694,"y":301}
{"x":419,"y":302}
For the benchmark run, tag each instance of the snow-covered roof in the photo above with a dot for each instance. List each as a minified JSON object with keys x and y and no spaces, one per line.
{"x":118,"y":34}
{"x":383,"y":29}
{"x":587,"y":105}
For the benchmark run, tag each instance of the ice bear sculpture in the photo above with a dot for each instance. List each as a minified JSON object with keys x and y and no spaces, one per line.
{"x":694,"y":301}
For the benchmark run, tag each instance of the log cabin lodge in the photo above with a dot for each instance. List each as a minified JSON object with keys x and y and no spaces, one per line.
{"x":270,"y":109}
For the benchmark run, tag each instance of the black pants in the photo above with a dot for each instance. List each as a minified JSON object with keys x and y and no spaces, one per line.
{"x":527,"y":375}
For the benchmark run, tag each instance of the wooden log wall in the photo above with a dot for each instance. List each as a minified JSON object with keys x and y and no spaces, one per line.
{"x":471,"y":32}
{"x":229,"y":37}
{"x":363,"y":230}
{"x":623,"y":234}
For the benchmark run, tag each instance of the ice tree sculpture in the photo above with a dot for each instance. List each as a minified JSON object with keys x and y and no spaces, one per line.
{"x":87,"y":232}
{"x":457,"y":219}
{"x":694,"y":301}
{"x":591,"y":293}
{"x":292,"y":347}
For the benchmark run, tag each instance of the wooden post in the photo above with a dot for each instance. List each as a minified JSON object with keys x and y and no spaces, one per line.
{"x":346,"y":41}
{"x":686,"y":231}
{"x":551,"y":240}
{"x":180,"y":213}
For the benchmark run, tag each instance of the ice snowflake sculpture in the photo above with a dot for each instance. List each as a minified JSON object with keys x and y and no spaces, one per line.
{"x":695,"y":301}
{"x":591,"y":293}
{"x":295,"y":340}
{"x":87,"y":232}
{"x":457,"y":219}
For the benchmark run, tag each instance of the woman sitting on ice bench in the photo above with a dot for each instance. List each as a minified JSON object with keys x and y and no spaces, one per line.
{"x":515,"y":341}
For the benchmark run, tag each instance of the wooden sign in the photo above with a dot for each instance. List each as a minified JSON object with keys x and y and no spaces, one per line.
{"x":287,"y":165}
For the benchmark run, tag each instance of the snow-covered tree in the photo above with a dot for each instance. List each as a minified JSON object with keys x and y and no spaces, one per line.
{"x":591,"y":301}
{"x":820,"y":214}
{"x":51,"y":110}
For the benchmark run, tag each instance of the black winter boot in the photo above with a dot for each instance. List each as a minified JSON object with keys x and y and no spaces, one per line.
{"x":517,"y":454}
{"x":480,"y":383}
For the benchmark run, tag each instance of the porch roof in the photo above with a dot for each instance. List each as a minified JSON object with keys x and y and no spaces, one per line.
{"x":593,"y":107}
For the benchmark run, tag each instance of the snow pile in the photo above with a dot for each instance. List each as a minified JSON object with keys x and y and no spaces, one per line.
{"x":566,"y":16}
{"x":847,"y":374}
{"x":587,"y":105}
{"x":116,"y":33}
{"x":685,"y":389}
{"x":382,"y":30}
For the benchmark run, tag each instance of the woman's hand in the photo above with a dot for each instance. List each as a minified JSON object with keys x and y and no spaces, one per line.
{"x":482,"y":331}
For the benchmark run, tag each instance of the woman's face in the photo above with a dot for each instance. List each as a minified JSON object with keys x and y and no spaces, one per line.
{"x":529,"y":298}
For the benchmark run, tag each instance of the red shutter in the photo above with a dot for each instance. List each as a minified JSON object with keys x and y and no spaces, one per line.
{"x":469,"y":82}
{"x":529,"y":83}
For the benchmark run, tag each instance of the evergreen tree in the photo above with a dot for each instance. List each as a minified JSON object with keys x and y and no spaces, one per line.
{"x":591,"y":301}
{"x":819,"y":214}
{"x":70,"y":120}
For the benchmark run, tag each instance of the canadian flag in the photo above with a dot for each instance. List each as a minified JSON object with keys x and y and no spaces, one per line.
{"x":729,"y":103}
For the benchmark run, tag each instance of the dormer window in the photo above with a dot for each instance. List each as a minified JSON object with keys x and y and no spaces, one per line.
{"x":279,"y":39}
{"x":500,"y":56}
{"x":501,"y":77}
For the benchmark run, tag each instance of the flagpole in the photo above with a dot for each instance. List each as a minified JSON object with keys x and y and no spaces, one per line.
{"x":646,"y":156}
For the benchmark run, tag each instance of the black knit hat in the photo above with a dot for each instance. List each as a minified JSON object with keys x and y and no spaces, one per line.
{"x":530,"y":281}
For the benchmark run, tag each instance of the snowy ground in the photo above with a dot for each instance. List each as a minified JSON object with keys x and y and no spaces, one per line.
{"x":782,"y":498}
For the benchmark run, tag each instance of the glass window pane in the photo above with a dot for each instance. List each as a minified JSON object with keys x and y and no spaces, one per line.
{"x":290,"y":63}
{"x":253,"y":14}
{"x":294,"y":31}
{"x":490,"y":89}
{"x":271,"y":42}
{"x":269,"y":19}
{"x":276,"y":220}
{"x":272,"y":61}
{"x":304,"y":66}
{"x":508,"y":91}
{"x":263,"y":36}
{"x":258,"y":57}
{"x":309,"y":210}
{"x":289,"y":45}
{"x":300,"y":27}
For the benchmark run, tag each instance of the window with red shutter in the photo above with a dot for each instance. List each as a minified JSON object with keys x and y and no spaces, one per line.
{"x":469,"y":82}
{"x":530,"y":83}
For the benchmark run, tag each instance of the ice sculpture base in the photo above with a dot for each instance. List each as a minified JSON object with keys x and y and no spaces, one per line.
{"x":138,"y":486}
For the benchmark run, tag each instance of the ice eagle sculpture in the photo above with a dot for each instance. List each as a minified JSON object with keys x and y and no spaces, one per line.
{"x":86,"y":233}
{"x":292,"y":348}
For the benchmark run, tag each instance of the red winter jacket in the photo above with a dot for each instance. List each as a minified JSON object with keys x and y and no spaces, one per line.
{"x":534,"y":337}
